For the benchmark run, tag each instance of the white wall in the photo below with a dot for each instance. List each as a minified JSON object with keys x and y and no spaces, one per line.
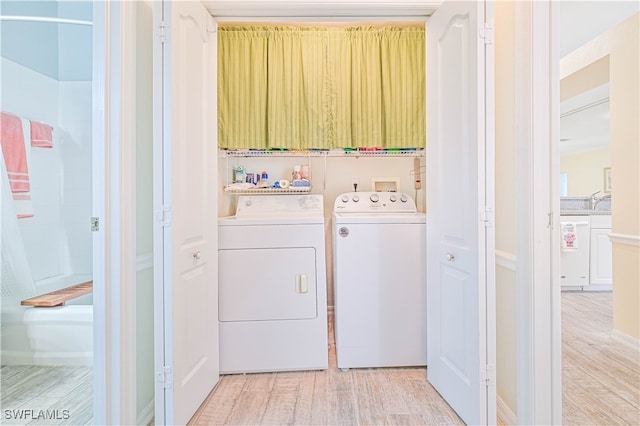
{"x":74,"y":140}
{"x":57,"y":238}
{"x":31,"y":95}
{"x":57,"y":51}
{"x":585,"y":171}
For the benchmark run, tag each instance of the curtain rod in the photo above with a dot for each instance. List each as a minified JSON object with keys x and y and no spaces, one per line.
{"x":45,"y":19}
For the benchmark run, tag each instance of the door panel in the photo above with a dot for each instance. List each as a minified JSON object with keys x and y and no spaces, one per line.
{"x":263,"y":292}
{"x":457,"y":328}
{"x":189,"y":198}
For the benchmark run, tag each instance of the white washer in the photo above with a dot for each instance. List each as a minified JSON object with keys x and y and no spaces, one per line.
{"x":272,"y":285}
{"x":379,"y":280}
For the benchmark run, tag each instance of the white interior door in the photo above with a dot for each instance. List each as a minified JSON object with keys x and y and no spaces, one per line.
{"x":460,"y":329}
{"x":186,"y":214}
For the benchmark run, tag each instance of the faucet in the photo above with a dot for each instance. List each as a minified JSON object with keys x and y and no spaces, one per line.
{"x":594,"y":201}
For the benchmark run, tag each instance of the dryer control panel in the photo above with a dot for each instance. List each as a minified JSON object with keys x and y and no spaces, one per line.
{"x":381,"y":202}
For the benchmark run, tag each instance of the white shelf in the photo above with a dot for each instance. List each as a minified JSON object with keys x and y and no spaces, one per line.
{"x":257,"y":191}
{"x":246,"y":153}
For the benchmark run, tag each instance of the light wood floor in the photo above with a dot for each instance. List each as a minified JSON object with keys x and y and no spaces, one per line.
{"x":601,"y":384}
{"x":383,"y":396}
{"x":51,"y":389}
{"x":601,"y":377}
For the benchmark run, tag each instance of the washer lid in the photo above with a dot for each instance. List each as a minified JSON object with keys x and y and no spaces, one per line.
{"x":276,"y":210}
{"x":270,"y":219}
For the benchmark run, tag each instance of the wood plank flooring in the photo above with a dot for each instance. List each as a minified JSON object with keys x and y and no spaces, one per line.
{"x":382,"y":396}
{"x":601,"y":386}
{"x":29,"y":391}
{"x":601,"y":377}
{"x":601,"y":382}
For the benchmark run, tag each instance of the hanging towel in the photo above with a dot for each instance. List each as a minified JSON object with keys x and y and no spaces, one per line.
{"x":15,"y":156}
{"x":41,"y":135}
{"x":569,"y":236}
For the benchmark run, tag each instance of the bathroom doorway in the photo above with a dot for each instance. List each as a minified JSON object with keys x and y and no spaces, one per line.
{"x":47,"y":103}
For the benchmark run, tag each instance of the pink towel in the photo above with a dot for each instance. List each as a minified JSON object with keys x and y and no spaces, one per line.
{"x":15,"y":157}
{"x":41,"y":135}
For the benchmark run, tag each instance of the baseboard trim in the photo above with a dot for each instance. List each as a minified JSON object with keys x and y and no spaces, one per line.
{"x":506,"y":260}
{"x":505,"y":413}
{"x":625,"y":339}
{"x":145,"y":417}
{"x":625,"y":239}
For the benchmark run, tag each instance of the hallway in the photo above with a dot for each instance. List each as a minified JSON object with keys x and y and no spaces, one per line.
{"x":601,"y":376}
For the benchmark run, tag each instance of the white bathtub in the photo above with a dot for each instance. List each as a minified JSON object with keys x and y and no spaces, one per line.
{"x":49,"y":336}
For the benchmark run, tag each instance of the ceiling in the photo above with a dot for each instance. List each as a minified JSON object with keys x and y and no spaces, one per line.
{"x":581,"y":21}
{"x":334,"y":9}
{"x":584,"y":122}
{"x":584,"y":119}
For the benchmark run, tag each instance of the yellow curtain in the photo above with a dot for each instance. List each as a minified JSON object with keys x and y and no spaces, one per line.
{"x":402,"y":60}
{"x":242,"y":87}
{"x":295,"y":106}
{"x":354,"y":72}
{"x":321,"y":87}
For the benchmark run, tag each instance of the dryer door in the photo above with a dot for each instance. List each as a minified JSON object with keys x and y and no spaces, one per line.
{"x":267,"y":284}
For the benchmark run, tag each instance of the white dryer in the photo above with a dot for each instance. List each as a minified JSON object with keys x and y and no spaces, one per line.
{"x":379,"y":280}
{"x":272,"y":285}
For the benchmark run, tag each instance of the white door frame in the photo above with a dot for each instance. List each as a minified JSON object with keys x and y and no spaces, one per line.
{"x":539,"y":390}
{"x":538,"y":302}
{"x":114,"y":249}
{"x":101,"y":370}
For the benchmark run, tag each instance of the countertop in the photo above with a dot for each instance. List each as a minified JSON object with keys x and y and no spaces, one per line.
{"x":584,"y":212}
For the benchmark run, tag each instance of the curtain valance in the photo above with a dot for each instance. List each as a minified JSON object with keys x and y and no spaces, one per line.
{"x":302,"y":87}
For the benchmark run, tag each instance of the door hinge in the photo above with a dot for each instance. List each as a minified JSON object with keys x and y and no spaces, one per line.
{"x":486,"y":33}
{"x":95,"y":224}
{"x":165,"y":377}
{"x":163,"y":32}
{"x":488,"y":375}
{"x":488,"y":217}
{"x":164,"y":216}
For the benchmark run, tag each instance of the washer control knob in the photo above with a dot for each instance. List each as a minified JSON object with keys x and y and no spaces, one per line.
{"x":393,"y":198}
{"x":344,"y":198}
{"x":374,"y":198}
{"x":356,"y":198}
{"x":403,"y":198}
